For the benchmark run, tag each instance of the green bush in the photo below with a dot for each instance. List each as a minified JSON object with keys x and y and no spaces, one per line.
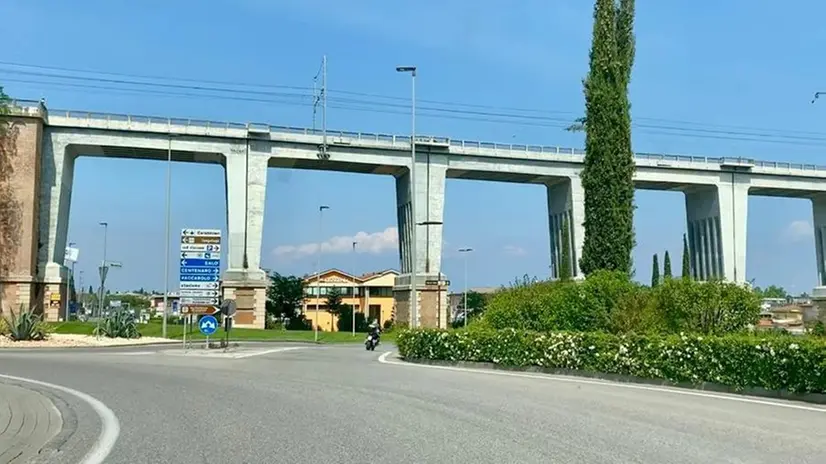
{"x":388,"y":325}
{"x":25,"y":325}
{"x":819,"y":329}
{"x":118,"y":324}
{"x":345,"y":320}
{"x":299,"y":323}
{"x":4,"y":326}
{"x":545,"y":306}
{"x":611,"y":302}
{"x":706,"y":307}
{"x":795,"y":364}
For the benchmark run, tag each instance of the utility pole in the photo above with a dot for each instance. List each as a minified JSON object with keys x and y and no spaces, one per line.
{"x":324,"y":106}
{"x":355,"y":298}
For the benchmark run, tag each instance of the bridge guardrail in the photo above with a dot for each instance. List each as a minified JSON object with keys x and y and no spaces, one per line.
{"x":221,"y":128}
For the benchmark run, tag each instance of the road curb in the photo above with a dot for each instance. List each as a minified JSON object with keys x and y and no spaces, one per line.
{"x":30,"y":422}
{"x":813,"y":398}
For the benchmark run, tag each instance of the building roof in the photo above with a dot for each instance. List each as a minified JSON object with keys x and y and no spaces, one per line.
{"x":360,"y":279}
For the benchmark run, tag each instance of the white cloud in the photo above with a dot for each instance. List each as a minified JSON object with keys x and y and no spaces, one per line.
{"x":513,"y":250}
{"x":368,"y":242}
{"x":798,"y":231}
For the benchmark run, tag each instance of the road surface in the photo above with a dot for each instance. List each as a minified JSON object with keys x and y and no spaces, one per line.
{"x":341,"y":404}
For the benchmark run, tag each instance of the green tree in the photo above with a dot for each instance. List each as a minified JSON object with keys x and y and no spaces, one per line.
{"x":134,"y":301}
{"x":476,"y":305}
{"x":345,"y":320}
{"x":607,"y":177}
{"x":285,"y":295}
{"x":10,"y":207}
{"x":565,"y":261}
{"x":686,"y":270}
{"x":666,"y":266}
{"x":334,"y":303}
{"x":655,"y":271}
{"x":772,"y":291}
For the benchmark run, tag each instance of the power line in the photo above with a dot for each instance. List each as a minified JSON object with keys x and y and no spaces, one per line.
{"x":721,"y":129}
{"x":426,"y":111}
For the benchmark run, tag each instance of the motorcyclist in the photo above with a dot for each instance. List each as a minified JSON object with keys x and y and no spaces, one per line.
{"x":375,"y":330}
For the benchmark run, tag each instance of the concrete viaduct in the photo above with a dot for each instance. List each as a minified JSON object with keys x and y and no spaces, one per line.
{"x":48,"y":143}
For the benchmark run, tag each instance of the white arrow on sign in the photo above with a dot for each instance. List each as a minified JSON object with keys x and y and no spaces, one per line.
{"x":197,"y":255}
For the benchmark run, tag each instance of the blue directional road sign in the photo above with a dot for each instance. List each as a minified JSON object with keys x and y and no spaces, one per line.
{"x":200,"y":263}
{"x":208,"y":325}
{"x":200,"y":270}
{"x":199,"y":278}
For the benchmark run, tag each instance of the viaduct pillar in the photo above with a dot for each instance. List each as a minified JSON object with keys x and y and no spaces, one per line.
{"x":566,"y":202}
{"x":246,"y":186}
{"x":429,"y":189}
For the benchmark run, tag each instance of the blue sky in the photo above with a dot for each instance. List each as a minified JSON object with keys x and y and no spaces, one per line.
{"x":752,"y":64}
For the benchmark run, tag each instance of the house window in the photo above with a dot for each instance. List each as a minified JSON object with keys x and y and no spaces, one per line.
{"x":381,"y":292}
{"x":375,"y":312}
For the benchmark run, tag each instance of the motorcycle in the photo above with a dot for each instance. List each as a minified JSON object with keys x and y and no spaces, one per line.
{"x":371,"y":342}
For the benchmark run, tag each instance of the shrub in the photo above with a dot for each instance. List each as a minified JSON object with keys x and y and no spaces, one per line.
{"x":546,"y":306}
{"x":299,"y":323}
{"x":819,"y":329}
{"x":388,"y":325}
{"x":118,"y":324}
{"x":273,"y":324}
{"x":4,"y":326}
{"x":345,"y":320}
{"x":706,"y":307}
{"x":795,"y":364}
{"x":26,"y":325}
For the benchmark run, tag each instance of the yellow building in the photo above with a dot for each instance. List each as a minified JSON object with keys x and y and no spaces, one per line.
{"x":373,"y":296}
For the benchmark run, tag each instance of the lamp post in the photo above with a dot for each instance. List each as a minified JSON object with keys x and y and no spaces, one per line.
{"x":69,"y":285}
{"x":318,"y":266}
{"x":82,"y":296}
{"x":166,"y":234}
{"x":465,"y":252}
{"x":414,"y":299}
{"x":354,"y":288}
{"x":103,"y":270}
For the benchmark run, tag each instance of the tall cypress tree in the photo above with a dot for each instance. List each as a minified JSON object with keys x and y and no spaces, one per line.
{"x":666,"y":266}
{"x":565,"y":261}
{"x":686,"y":271}
{"x":607,"y":177}
{"x":655,"y":272}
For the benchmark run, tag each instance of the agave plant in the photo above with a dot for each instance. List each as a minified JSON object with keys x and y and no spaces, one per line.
{"x":120,"y":324}
{"x":26,"y":325}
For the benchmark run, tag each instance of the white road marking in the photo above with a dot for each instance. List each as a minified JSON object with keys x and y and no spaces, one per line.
{"x":130,"y":353}
{"x":273,"y":350}
{"x":109,"y":425}
{"x":677,"y":391}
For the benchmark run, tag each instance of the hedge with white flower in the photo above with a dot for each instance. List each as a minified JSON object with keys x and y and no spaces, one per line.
{"x":794,"y":364}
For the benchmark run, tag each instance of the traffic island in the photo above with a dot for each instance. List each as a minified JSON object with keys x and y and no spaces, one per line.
{"x":28,"y":422}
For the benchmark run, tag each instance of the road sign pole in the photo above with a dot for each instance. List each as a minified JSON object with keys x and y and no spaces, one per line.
{"x":184,"y":337}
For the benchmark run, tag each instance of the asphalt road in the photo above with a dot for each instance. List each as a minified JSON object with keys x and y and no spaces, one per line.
{"x":339,"y":404}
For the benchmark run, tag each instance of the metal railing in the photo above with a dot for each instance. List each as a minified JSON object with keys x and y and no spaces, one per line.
{"x":219,"y":128}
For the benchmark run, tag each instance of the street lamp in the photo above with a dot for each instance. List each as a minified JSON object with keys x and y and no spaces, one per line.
{"x":318,"y":267}
{"x":167,"y":226}
{"x":70,"y":284}
{"x":465,"y":252}
{"x":817,"y":95}
{"x":103,"y":269}
{"x":414,"y":303}
{"x":354,"y":288}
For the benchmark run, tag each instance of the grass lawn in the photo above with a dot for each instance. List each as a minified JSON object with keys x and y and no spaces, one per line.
{"x":175,"y":332}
